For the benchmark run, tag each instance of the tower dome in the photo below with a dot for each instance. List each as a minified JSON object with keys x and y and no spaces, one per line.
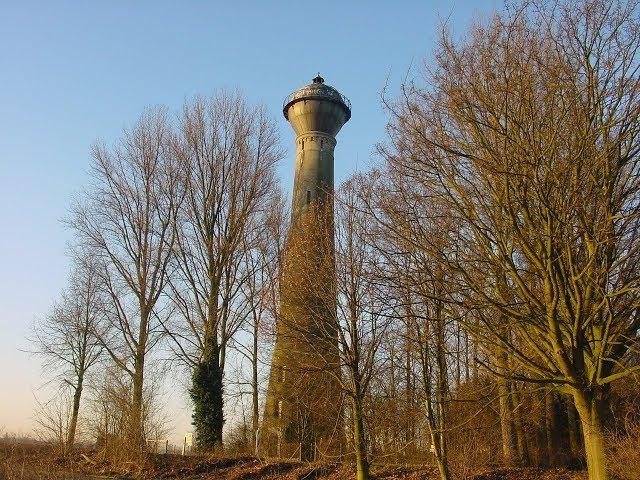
{"x":317,"y":107}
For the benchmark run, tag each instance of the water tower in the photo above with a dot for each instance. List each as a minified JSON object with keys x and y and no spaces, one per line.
{"x":303,"y":408}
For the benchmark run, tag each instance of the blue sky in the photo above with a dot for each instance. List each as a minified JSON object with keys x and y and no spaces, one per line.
{"x":74,"y":72}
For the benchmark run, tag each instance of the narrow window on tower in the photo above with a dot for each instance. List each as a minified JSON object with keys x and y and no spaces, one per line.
{"x":282,"y":370}
{"x":279,"y":409}
{"x":308,"y":197}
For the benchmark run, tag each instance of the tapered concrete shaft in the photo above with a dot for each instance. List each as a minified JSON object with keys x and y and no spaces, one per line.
{"x":302,"y":416}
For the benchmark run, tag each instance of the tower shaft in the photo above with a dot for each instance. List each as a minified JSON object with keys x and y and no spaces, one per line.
{"x":302,"y":416}
{"x":313,"y":183}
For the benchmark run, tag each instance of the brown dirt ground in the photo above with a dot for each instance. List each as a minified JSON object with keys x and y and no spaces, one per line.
{"x":32,"y":462}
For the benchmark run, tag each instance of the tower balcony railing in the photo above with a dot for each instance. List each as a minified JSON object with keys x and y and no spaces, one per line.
{"x":312,"y":92}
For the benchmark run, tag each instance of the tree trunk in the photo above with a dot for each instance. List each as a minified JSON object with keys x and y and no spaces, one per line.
{"x":443,"y":470}
{"x":458,"y":358}
{"x":206,"y":394}
{"x":214,"y":357}
{"x":466,"y":356}
{"x":409,"y":433}
{"x":589,"y":409}
{"x":359,"y":441}
{"x":442,"y":389}
{"x":136,"y":431}
{"x":475,"y":365}
{"x":523,"y":447}
{"x":438,"y":442}
{"x":550,"y":427}
{"x":542,"y":434}
{"x":136,"y":426}
{"x":509,"y":443}
{"x":73,"y":423}
{"x":574,"y":429}
{"x":254,"y":390}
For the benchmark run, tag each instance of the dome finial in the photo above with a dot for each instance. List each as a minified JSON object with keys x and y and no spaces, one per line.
{"x":318,"y":79}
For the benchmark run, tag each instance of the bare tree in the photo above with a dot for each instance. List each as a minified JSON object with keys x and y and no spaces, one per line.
{"x":528,"y":132}
{"x":422,"y":301}
{"x":263,"y":254}
{"x":126,"y":225}
{"x":430,"y":319}
{"x":228,"y":152}
{"x":66,"y":341}
{"x":361,"y":322}
{"x":109,"y":407}
{"x":53,"y":417}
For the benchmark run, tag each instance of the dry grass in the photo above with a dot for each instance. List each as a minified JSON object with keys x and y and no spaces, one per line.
{"x":20,"y":461}
{"x":529,"y":474}
{"x":623,"y":452}
{"x":38,"y":462}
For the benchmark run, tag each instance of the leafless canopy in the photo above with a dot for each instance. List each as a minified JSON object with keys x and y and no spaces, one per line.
{"x":126,"y":226}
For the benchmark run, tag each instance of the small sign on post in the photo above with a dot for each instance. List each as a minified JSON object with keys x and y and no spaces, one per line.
{"x":187,"y":443}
